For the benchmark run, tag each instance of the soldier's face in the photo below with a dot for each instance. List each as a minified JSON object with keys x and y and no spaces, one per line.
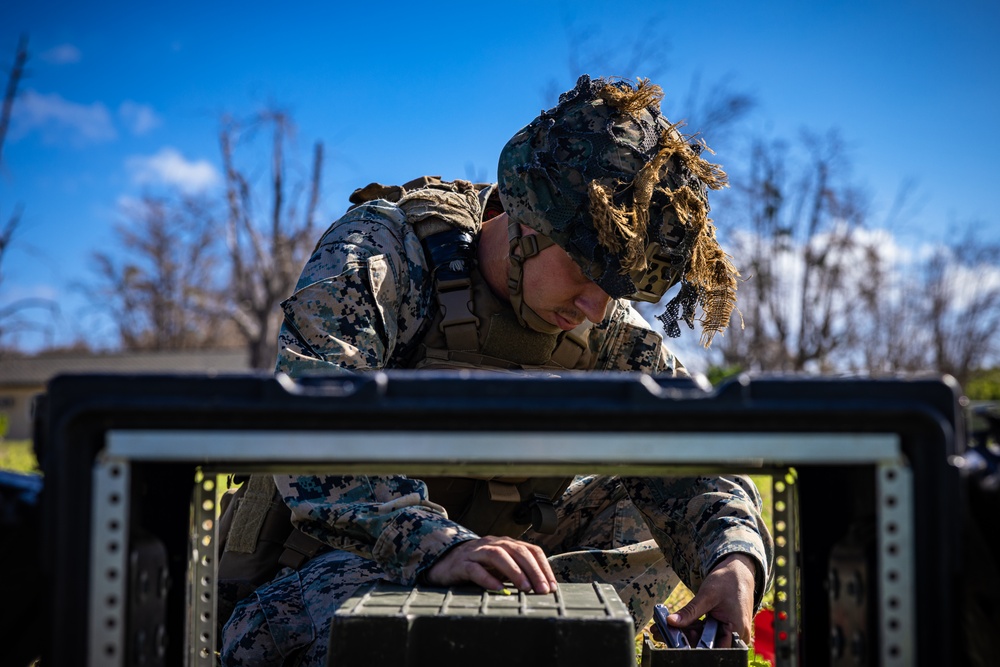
{"x":556,"y":289}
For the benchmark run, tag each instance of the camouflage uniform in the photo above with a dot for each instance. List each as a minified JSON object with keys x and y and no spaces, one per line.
{"x":362,"y":302}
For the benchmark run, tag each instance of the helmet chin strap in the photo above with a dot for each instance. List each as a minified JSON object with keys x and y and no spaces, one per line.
{"x":529,"y":246}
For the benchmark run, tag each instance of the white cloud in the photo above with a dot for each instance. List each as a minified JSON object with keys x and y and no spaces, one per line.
{"x":14,"y":293}
{"x":168,"y":167}
{"x":139,"y":118}
{"x":889,"y":248}
{"x":967,"y":282}
{"x":58,"y":119}
{"x":64,"y":54}
{"x":127,"y":202}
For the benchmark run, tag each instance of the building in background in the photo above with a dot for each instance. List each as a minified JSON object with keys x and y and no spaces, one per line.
{"x":23,"y":378}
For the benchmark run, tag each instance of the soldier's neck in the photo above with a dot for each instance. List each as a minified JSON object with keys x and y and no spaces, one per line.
{"x":492,"y":255}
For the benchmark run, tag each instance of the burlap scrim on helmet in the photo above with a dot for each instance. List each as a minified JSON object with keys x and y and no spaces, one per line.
{"x":617,"y":223}
{"x":710,"y":278}
{"x":632,"y":101}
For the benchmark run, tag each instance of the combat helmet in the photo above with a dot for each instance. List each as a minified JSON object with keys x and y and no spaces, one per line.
{"x":608,"y":178}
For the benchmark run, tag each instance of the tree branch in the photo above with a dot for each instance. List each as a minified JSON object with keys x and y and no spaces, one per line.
{"x":20,"y":58}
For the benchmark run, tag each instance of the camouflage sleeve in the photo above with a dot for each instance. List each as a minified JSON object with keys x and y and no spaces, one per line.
{"x":386,"y":519}
{"x":667,"y":363}
{"x":701,"y":520}
{"x":624,"y":341}
{"x":697,"y":520}
{"x":361,"y":293}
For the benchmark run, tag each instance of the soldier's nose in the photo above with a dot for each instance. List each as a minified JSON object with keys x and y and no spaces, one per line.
{"x":593,"y":303}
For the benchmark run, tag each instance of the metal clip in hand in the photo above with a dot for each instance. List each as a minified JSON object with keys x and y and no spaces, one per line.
{"x":707,"y":639}
{"x":674,"y":637}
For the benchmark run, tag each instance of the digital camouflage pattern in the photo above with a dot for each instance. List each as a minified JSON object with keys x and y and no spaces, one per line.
{"x":365,"y":286}
{"x":363,"y":302}
{"x":639,"y":534}
{"x":287,"y":622}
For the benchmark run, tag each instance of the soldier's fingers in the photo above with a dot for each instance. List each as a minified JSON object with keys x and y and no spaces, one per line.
{"x":544,"y":565}
{"x":692,"y":611}
{"x":533,"y":563}
{"x":475,"y":573}
{"x":543,"y":562}
{"x":724,"y":636}
{"x":497,"y":556}
{"x":467,"y":562}
{"x":496,"y":559}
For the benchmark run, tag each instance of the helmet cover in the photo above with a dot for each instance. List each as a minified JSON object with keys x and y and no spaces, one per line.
{"x":607,"y":177}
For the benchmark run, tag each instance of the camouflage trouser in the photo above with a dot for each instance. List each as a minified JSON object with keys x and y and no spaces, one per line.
{"x":601,"y":536}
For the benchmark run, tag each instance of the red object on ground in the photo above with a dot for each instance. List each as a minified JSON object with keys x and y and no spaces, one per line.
{"x":763,"y":634}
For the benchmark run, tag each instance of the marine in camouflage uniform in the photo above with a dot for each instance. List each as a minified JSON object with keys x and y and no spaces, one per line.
{"x":366,"y":300}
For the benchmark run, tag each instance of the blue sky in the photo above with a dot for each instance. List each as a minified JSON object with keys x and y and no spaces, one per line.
{"x":126,"y":99}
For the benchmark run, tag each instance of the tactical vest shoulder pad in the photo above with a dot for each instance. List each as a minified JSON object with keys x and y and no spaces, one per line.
{"x":432,"y":205}
{"x":432,"y":210}
{"x":391,"y":193}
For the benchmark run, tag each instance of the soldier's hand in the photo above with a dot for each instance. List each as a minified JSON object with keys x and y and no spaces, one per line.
{"x":726,"y":594}
{"x":491,"y":561}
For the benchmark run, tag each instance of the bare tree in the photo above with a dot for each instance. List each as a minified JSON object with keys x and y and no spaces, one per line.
{"x":10,"y":92}
{"x":590,"y":50}
{"x":266,"y":251}
{"x":11,"y":315}
{"x":961,"y":306}
{"x":717,"y":111}
{"x":800,"y":253}
{"x":7,"y":235}
{"x":890,"y":338}
{"x":161,"y":291}
{"x":185,"y":280}
{"x":826,"y":293}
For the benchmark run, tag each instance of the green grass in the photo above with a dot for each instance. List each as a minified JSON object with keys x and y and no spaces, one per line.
{"x":17,"y":455}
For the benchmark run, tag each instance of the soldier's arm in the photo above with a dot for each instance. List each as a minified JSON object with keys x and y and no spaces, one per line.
{"x":625,"y":341}
{"x":703,"y":521}
{"x":721,"y":548}
{"x":700,"y":521}
{"x":388,"y":519}
{"x":360,"y":293}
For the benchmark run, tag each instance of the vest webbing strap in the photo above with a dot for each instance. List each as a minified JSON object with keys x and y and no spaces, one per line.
{"x":451,"y":254}
{"x":250,"y":514}
{"x":569,"y":350}
{"x":299,"y":548}
{"x":503,"y":491}
{"x":459,"y":324}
